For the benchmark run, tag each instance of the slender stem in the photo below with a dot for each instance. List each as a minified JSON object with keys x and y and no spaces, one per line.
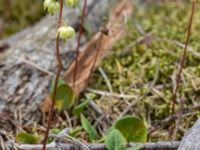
{"x":60,"y":66}
{"x":78,"y":41}
{"x":182,"y":60}
{"x":96,"y":56}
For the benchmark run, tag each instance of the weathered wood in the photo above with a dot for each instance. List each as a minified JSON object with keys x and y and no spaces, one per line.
{"x":144,"y":146}
{"x":116,"y":30}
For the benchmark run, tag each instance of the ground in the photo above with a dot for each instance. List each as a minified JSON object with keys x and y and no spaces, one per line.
{"x":143,"y":66}
{"x":137,"y":77}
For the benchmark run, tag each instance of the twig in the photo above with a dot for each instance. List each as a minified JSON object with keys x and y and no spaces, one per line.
{"x":96,"y":56}
{"x":143,"y":96}
{"x":105,"y":93}
{"x":106,"y":79}
{"x":104,"y":31}
{"x":182,"y":60}
{"x":172,"y":145}
{"x":64,"y":134}
{"x":182,"y":100}
{"x":99,"y":112}
{"x":172,"y":117}
{"x":78,"y":142}
{"x":178,"y":43}
{"x":60,"y":66}
{"x":78,"y":41}
{"x":37,"y":67}
{"x":68,"y":119}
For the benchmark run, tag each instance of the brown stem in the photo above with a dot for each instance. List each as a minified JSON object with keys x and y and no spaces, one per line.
{"x":172,"y":117}
{"x":60,"y":66}
{"x":96,"y":57}
{"x":78,"y":42}
{"x":182,"y":60}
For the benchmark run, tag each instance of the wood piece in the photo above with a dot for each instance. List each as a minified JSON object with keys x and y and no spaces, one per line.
{"x":144,"y":146}
{"x":116,"y":30}
{"x":26,"y":67}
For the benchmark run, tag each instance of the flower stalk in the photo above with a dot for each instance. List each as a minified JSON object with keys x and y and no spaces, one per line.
{"x":183,"y":58}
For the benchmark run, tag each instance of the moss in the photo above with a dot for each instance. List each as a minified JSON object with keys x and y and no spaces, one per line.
{"x":132,"y":71}
{"x":20,"y":14}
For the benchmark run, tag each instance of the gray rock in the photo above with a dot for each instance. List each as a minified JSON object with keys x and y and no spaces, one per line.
{"x":191,"y":140}
{"x":26,"y":68}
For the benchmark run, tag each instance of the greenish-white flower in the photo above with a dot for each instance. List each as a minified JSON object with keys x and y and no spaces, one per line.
{"x":66,"y":32}
{"x":71,"y":3}
{"x":46,"y":3}
{"x":52,"y":6}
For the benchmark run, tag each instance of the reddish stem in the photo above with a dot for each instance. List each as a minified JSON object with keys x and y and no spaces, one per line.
{"x":96,"y":56}
{"x":60,"y":66}
{"x":182,"y":60}
{"x":78,"y":42}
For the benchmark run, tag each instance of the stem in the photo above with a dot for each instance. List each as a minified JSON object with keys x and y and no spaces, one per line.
{"x":96,"y":56}
{"x":78,"y":42}
{"x":60,"y":66}
{"x":182,"y":60}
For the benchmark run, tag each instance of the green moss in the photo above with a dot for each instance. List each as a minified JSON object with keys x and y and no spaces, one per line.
{"x":132,"y":68}
{"x":20,"y":14}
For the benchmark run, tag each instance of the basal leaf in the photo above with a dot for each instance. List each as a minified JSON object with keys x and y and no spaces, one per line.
{"x":132,"y":128}
{"x":88,"y":128}
{"x":25,"y":138}
{"x":75,"y":131}
{"x":115,"y":140}
{"x":65,"y":97}
{"x":60,"y":81}
{"x":80,"y":108}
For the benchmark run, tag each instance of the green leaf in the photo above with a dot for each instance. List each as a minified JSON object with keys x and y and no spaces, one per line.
{"x":25,"y":138}
{"x":80,"y":108}
{"x":115,"y":140}
{"x":55,"y":131}
{"x":138,"y":147}
{"x":88,"y":128}
{"x":132,"y":128}
{"x":65,"y":97}
{"x":75,"y":131}
{"x":60,"y":82}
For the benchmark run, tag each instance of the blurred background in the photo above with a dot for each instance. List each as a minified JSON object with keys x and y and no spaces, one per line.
{"x":18,"y":14}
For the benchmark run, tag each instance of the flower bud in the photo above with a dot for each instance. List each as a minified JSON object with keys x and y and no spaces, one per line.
{"x":71,"y":3}
{"x":51,"y":6}
{"x":46,"y":3}
{"x":66,"y":32}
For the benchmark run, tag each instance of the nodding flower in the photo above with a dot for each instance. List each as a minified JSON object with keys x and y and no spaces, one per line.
{"x":66,"y":32}
{"x":52,"y":6}
{"x":71,"y":3}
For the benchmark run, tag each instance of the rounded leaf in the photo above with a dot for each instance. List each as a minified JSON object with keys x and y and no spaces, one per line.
{"x":25,"y":138}
{"x":115,"y":140}
{"x":132,"y":128}
{"x":65,"y":97}
{"x":60,"y":82}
